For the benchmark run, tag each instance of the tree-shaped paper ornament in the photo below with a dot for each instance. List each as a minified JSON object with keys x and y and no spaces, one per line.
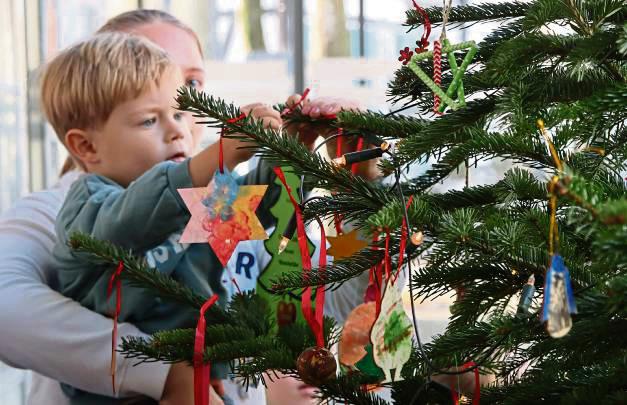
{"x":288,"y":306}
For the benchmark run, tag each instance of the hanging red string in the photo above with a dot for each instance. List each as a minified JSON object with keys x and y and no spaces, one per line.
{"x":322,"y":264}
{"x":202,"y":370}
{"x":424,"y":40}
{"x":222,"y":132}
{"x":337,"y":218}
{"x":404,"y":232}
{"x":115,"y":281}
{"x":422,"y":44}
{"x":290,"y":109}
{"x":360,"y":146}
{"x":373,"y":291}
{"x":338,"y":148}
{"x":477,"y":394}
{"x":386,"y":258}
{"x":233,"y":280}
{"x":312,"y":319}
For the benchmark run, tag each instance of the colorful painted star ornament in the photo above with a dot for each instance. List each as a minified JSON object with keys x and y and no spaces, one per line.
{"x":223,"y":214}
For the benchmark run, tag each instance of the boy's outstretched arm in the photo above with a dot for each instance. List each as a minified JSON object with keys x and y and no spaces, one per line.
{"x":204,"y":164}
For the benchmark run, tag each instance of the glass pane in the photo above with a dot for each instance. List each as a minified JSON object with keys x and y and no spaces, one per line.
{"x":245,"y":45}
{"x":334,"y":64}
{"x":13,"y":133}
{"x":63,"y":24}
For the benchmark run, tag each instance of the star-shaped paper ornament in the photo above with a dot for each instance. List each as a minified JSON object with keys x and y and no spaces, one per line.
{"x":458,"y":72}
{"x":223,"y":214}
{"x":345,"y":245}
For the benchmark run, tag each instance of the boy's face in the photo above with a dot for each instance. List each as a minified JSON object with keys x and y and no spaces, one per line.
{"x":143,"y":132}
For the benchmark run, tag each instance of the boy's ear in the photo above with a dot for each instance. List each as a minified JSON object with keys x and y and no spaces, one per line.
{"x":80,"y":145}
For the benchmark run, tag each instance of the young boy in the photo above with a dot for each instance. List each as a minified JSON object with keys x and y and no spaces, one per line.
{"x":110,"y":100}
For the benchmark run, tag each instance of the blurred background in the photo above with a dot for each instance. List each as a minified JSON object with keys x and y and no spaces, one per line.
{"x":256,"y":50}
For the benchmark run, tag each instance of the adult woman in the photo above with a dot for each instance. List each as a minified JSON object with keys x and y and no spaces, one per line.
{"x":46,"y":332}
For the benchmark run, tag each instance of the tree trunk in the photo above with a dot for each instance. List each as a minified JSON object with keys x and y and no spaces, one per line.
{"x":250,"y":14}
{"x":330,"y":37}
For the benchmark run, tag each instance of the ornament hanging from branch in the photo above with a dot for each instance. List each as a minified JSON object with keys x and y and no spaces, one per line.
{"x":356,"y":333}
{"x":391,"y":334}
{"x":444,"y":47}
{"x":345,"y":245}
{"x":316,"y":364}
{"x":285,"y":260}
{"x":223,"y":213}
{"x":456,"y":86}
{"x":559,"y":300}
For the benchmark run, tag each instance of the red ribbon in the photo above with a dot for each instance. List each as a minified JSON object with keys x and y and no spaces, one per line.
{"x":338,"y":149}
{"x":314,"y":320}
{"x":222,"y":132}
{"x":386,"y":258}
{"x":289,"y":110}
{"x":404,"y":231}
{"x":115,"y":280}
{"x":373,"y":292}
{"x":477,"y":395}
{"x":360,"y":146}
{"x":322,"y":264}
{"x":424,"y":40}
{"x":201,"y":370}
{"x":337,"y":219}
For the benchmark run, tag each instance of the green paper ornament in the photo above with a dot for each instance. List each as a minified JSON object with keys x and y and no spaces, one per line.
{"x":289,"y":260}
{"x":368,"y":367}
{"x":458,"y":72}
{"x":391,"y":334}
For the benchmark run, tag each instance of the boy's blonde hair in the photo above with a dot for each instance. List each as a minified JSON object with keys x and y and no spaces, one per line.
{"x":83,"y":84}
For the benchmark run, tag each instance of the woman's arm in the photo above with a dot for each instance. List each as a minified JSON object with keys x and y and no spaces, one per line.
{"x":47,"y":332}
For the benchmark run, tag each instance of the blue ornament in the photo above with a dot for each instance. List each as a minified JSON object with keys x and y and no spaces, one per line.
{"x":559,"y":300}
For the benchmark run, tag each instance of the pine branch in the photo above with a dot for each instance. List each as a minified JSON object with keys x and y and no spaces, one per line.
{"x":332,"y":275}
{"x":138,"y":273}
{"x":481,"y":12}
{"x":350,"y":207}
{"x":349,"y":389}
{"x":276,"y":146}
{"x":387,"y":127}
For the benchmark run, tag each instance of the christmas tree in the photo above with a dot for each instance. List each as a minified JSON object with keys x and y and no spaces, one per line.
{"x":546,"y":90}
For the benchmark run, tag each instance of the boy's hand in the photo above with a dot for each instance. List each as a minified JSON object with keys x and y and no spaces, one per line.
{"x":259,"y":111}
{"x":179,"y":387}
{"x":318,"y":108}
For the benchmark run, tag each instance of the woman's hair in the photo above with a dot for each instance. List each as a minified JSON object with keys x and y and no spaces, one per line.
{"x":128,"y":22}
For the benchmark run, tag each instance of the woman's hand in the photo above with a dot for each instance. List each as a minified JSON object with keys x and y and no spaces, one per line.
{"x":179,"y":387}
{"x":329,"y":106}
{"x":318,"y":108}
